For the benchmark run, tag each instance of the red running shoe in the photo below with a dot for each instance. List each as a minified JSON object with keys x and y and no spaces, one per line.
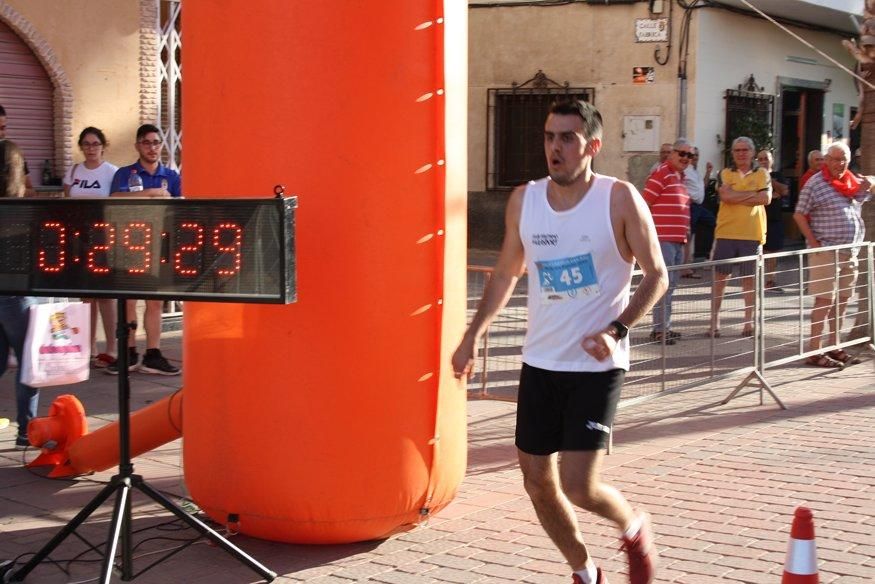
{"x":599,"y":579}
{"x":642,"y":556}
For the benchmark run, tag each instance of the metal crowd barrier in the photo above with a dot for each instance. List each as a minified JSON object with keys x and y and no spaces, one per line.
{"x":781,"y":325}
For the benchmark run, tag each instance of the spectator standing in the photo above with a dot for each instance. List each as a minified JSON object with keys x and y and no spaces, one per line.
{"x":666,"y":196}
{"x":158,"y":182}
{"x":579,"y":234}
{"x":744,"y":191}
{"x":829,"y":212}
{"x":15,"y":310}
{"x":774,"y":218}
{"x":13,"y":168}
{"x":93,"y":178}
{"x":664,"y":153}
{"x":815,"y":164}
{"x":699,"y":213}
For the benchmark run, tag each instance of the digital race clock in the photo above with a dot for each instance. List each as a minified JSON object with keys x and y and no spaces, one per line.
{"x":233,"y":250}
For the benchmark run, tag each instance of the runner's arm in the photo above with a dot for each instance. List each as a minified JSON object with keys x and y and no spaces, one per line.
{"x":637,"y":240}
{"x":640,"y":234}
{"x":510,"y":265}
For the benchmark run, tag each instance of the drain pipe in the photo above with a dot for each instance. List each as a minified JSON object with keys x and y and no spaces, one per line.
{"x":682,"y":104}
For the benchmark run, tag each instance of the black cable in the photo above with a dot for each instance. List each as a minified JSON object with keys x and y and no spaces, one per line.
{"x":668,"y":49}
{"x":547,"y":3}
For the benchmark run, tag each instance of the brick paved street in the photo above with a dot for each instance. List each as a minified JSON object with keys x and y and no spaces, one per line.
{"x":721,"y":483}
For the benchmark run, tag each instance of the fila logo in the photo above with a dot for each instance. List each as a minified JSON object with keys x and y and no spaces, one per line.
{"x":84,"y":184}
{"x":591,"y":425}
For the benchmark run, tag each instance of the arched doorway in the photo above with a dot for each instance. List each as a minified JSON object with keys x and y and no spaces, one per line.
{"x":27,"y":93}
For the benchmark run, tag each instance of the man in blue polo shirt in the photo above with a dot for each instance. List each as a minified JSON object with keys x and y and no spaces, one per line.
{"x":158,"y":181}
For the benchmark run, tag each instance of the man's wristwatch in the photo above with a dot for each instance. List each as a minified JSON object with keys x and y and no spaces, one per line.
{"x":621,"y":330}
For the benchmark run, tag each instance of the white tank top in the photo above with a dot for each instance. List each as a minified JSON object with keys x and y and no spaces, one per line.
{"x":577,"y":280}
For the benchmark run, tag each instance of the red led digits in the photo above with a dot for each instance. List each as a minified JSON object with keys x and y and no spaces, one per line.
{"x":100,"y":251}
{"x":232,"y":235}
{"x":58,"y":248}
{"x":188,"y":257}
{"x":138,"y":239}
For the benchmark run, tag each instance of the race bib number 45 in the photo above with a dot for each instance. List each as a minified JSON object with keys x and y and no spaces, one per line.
{"x":567,"y":278}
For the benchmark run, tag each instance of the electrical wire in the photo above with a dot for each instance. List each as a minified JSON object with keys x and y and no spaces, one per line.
{"x":66,"y":565}
{"x":668,"y":49}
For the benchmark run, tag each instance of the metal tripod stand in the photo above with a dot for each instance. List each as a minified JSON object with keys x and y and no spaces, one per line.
{"x":121,"y":485}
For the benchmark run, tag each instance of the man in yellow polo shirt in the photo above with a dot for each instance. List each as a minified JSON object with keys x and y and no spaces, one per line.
{"x":745,"y":189}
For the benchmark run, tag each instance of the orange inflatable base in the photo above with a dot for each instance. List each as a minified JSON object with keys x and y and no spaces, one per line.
{"x":66,"y":444}
{"x":152,"y":426}
{"x":287,"y":530}
{"x":54,"y":434}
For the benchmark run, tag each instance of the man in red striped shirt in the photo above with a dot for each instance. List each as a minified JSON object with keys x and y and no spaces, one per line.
{"x":669,"y":203}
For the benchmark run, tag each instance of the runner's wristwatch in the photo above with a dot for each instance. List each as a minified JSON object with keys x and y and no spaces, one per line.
{"x":621,"y":329}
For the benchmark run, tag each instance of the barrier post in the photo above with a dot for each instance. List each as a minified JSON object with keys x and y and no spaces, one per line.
{"x":870,"y":294}
{"x":757,"y":373}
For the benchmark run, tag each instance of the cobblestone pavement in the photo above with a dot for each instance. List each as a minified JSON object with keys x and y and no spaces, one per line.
{"x":720,"y":481}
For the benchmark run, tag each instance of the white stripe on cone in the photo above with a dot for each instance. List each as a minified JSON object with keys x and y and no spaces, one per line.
{"x":801,"y":557}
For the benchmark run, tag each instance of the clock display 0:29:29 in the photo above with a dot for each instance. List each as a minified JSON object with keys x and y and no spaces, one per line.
{"x":128,"y":247}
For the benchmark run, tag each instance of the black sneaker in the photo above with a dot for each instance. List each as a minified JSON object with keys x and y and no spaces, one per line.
{"x":21,"y":443}
{"x":133,"y":362}
{"x":154,"y":362}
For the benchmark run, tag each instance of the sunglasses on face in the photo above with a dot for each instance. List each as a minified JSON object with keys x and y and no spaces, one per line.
{"x":683,"y":154}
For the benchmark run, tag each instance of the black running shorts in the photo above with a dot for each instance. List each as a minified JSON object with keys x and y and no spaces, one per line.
{"x":565,"y":410}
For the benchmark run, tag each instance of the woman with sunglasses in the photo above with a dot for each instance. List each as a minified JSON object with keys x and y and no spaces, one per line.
{"x":92,"y":178}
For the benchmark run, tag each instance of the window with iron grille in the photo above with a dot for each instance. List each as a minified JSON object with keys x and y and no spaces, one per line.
{"x":515,"y":144}
{"x":749,"y":112}
{"x":170,"y":80}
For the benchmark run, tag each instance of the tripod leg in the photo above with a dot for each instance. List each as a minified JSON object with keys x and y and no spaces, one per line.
{"x":126,"y":542}
{"x":96,"y":502}
{"x":115,"y":529}
{"x":205,"y":530}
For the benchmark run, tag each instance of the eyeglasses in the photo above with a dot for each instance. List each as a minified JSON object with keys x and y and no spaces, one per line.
{"x":150,"y":144}
{"x":91,"y":144}
{"x":684,"y":154}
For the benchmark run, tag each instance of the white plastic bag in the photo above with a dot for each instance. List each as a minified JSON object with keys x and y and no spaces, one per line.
{"x":57,"y":348}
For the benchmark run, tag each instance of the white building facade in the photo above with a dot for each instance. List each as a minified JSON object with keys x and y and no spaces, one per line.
{"x":657,"y":70}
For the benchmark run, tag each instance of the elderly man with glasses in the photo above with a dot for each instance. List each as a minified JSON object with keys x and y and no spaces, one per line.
{"x":829,"y":212}
{"x":745,"y":190}
{"x":664,"y":153}
{"x":669,"y":202}
{"x":157,"y":181}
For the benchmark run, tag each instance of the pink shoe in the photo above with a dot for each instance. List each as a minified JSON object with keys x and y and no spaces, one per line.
{"x":641,"y":554}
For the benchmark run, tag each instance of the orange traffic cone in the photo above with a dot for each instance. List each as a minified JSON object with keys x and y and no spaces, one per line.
{"x":800,"y":566}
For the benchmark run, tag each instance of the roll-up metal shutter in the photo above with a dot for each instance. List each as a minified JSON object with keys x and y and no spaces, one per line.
{"x":26,"y":93}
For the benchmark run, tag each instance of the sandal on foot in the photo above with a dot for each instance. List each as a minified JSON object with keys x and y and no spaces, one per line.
{"x":843,"y":357}
{"x":747,"y":332}
{"x":714,"y":333}
{"x":823,"y":361}
{"x":657,"y":337}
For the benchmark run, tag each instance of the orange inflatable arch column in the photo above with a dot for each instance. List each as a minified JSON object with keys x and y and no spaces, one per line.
{"x":336,"y":418}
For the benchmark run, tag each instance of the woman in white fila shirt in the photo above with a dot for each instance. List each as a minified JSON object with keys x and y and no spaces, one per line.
{"x":92,"y":178}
